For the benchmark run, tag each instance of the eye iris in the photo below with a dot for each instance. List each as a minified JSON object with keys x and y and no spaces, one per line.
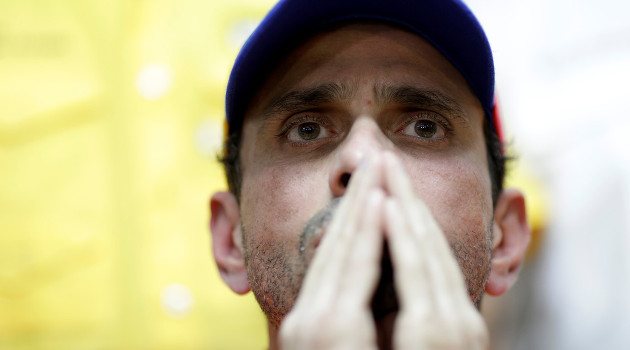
{"x":426,"y":128}
{"x":308,"y":131}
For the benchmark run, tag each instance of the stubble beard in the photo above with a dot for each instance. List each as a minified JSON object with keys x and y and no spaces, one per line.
{"x":273,"y":279}
{"x":276,"y":271}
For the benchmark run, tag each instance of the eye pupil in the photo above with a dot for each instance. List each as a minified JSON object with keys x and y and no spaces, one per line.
{"x":308,"y":131}
{"x":425,"y":128}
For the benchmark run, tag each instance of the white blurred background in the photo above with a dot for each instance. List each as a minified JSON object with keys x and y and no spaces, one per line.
{"x":563,"y":68}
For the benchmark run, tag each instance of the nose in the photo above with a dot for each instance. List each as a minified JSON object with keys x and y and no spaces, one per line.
{"x":365,"y":140}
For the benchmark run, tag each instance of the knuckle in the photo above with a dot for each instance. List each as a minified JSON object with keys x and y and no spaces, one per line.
{"x":324,"y":330}
{"x":463,"y":331}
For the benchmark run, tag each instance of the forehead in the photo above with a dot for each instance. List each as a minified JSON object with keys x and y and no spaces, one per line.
{"x":360,"y":53}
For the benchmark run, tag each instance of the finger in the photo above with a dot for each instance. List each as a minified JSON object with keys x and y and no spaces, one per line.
{"x":442,"y":315}
{"x":427,"y":232}
{"x":367,"y":175}
{"x":396,"y":179}
{"x":417,"y":215}
{"x":328,"y":266}
{"x":363,"y":261}
{"x":424,"y":234}
{"x":411,"y":276}
{"x":343,"y":274}
{"x":444,"y":301}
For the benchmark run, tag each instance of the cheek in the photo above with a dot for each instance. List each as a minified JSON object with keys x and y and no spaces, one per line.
{"x":458,"y":194}
{"x":278,"y":200}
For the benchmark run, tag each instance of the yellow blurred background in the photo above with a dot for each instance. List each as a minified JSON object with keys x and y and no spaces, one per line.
{"x":110,"y":120}
{"x":111,"y":115}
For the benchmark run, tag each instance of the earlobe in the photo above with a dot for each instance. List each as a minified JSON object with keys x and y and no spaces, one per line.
{"x":227,"y":245}
{"x":512,"y":234}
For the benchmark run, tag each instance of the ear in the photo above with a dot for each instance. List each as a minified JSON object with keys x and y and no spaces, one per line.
{"x":511,"y":237}
{"x":227,"y":241}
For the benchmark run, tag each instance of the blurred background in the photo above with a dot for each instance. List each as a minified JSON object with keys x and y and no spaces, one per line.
{"x":111,"y":116}
{"x":563,"y":68}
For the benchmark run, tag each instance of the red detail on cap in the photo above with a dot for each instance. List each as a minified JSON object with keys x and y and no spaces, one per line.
{"x":496,"y":121}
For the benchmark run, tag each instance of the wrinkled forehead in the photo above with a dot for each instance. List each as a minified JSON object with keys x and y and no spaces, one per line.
{"x":332,"y":63}
{"x":448,"y":24}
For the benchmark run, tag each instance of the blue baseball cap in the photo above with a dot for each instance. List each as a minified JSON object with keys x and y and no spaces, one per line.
{"x":448,"y":25}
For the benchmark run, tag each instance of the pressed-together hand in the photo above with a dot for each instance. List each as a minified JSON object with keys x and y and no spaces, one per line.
{"x":333,"y":308}
{"x":435,"y":309}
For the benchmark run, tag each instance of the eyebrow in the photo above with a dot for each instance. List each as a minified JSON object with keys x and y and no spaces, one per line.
{"x":314,"y":97}
{"x":413,"y":96}
{"x":304,"y":99}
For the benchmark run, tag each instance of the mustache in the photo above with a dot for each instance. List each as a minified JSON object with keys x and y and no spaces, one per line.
{"x":317,"y":224}
{"x":384,"y":299}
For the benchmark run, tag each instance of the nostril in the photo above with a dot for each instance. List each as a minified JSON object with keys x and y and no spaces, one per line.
{"x":345,"y":178}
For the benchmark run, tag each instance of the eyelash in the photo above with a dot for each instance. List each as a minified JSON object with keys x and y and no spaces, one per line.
{"x":302,"y":119}
{"x":448,"y":129}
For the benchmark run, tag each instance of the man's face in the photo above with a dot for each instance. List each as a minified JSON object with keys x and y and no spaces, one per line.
{"x":340,"y":99}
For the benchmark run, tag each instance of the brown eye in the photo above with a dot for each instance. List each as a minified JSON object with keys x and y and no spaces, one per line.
{"x":426,"y":128}
{"x":308,"y":131}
